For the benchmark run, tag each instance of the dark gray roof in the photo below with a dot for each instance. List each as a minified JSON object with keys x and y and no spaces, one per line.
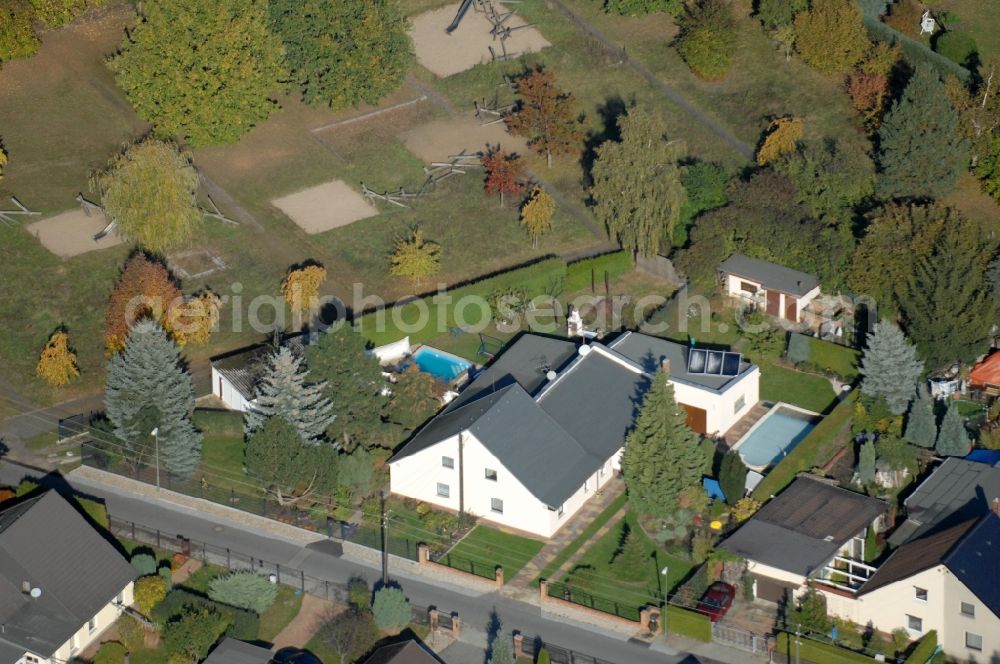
{"x":974,"y":559}
{"x":47,"y":544}
{"x":650,"y":352}
{"x":916,"y":556}
{"x":771,"y":275}
{"x":231,"y":651}
{"x":407,"y":652}
{"x":956,"y":491}
{"x":524,"y":362}
{"x":240,"y":366}
{"x":804,"y":526}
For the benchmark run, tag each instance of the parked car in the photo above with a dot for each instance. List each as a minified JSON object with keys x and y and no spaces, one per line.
{"x":717,"y":600}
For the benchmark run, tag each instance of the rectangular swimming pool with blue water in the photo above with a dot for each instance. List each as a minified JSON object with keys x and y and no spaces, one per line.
{"x":774,"y":436}
{"x":444,"y":366}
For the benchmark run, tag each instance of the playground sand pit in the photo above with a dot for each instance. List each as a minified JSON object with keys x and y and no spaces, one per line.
{"x":469,"y":45}
{"x":437,"y":140}
{"x":72,"y":233}
{"x":326,"y":206}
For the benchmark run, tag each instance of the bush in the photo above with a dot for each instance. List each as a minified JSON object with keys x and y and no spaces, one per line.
{"x":244,"y":590}
{"x":131,"y":632}
{"x":707,"y":39}
{"x":391,"y":608}
{"x":167,"y":575}
{"x":193,"y":631}
{"x":110,"y":652}
{"x":243,"y":625}
{"x":149,"y":592}
{"x":359,"y":596}
{"x":798,"y":348}
{"x":144,"y":564}
{"x":958,"y":47}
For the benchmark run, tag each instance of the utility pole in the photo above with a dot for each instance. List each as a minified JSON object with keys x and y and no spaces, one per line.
{"x":385,"y":540}
{"x":156,"y":444}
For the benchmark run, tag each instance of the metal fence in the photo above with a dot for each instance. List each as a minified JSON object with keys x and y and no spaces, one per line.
{"x":737,"y":637}
{"x":477,"y":567}
{"x":613,"y":607}
{"x":558,"y":654}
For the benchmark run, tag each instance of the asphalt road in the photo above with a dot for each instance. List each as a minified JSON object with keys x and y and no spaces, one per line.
{"x":474,"y":610}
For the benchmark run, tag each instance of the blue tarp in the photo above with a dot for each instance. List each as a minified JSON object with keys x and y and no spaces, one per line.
{"x":713,"y":488}
{"x":989,"y":457}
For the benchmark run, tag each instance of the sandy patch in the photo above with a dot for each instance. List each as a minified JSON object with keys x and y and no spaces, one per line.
{"x":469,"y":45}
{"x":325,"y":206}
{"x":437,"y":140}
{"x":72,"y":233}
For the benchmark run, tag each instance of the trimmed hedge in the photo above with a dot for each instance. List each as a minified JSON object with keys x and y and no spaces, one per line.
{"x":925,"y":649}
{"x":243,"y":625}
{"x":817,"y":652}
{"x":578,"y":274}
{"x":914,"y":51}
{"x":689,"y":623}
{"x":815,"y":450}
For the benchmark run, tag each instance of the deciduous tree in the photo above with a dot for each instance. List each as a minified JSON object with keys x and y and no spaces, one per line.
{"x":283,"y":392}
{"x":203,"y":70}
{"x":921,"y":150}
{"x":921,"y":423}
{"x":503,"y":173}
{"x":831,"y":177}
{"x":953,"y":439}
{"x":57,"y":363}
{"x":416,"y":396}
{"x":193,"y":321}
{"x":350,"y":634}
{"x":868,"y":93}
{"x":776,"y":13}
{"x":193,"y":631}
{"x":781,"y":138}
{"x":354,"y":385}
{"x":643,"y":7}
{"x":707,"y":38}
{"x":147,"y":386}
{"x":978,"y":109}
{"x":57,"y":13}
{"x":536,"y":214}
{"x":343,"y":52}
{"x":890,"y":367}
{"x":289,"y":469}
{"x":545,"y":115}
{"x":300,"y":289}
{"x":17,"y":34}
{"x":414,"y":257}
{"x":663,"y":456}
{"x":144,"y":290}
{"x":149,"y":190}
{"x":830,"y":35}
{"x":637,"y":183}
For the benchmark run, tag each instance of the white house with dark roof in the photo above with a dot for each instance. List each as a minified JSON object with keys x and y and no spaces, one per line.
{"x":532,"y":438}
{"x":61,"y":583}
{"x":780,"y":291}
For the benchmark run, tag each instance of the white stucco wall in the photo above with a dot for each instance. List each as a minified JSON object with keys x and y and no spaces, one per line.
{"x":85,"y":636}
{"x":760,"y":569}
{"x":721,"y":411}
{"x":417,"y":476}
{"x":732,"y":286}
{"x":222,"y":388}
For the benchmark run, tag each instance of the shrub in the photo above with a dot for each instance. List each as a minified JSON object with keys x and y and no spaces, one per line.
{"x":798,"y":348}
{"x":243,"y":624}
{"x":167,"y":575}
{"x":391,"y":609}
{"x":144,"y":564}
{"x":958,"y":47}
{"x":707,"y":38}
{"x":110,"y":652}
{"x":193,"y":631}
{"x":149,"y":591}
{"x":130,"y":631}
{"x":244,"y":590}
{"x":359,"y":596}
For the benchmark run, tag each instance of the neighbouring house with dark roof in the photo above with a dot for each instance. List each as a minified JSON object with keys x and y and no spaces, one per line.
{"x":233,"y":651}
{"x":812,"y":532}
{"x":540,"y":430}
{"x":780,"y":291}
{"x":944,"y":580}
{"x":407,"y":652}
{"x":61,"y":583}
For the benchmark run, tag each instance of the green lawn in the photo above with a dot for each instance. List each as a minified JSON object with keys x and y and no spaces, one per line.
{"x":222,"y":448}
{"x":595,"y":575}
{"x":582,"y":538}
{"x":977,"y":18}
{"x":485,"y":548}
{"x":800,"y":389}
{"x":278,"y":615}
{"x":829,"y":356}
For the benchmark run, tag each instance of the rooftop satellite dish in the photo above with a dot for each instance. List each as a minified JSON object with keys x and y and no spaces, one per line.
{"x":36,"y":592}
{"x":551,"y":375}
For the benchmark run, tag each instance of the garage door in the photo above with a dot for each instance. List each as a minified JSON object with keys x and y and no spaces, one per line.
{"x":772,"y":591}
{"x":791,"y":309}
{"x":773,"y":303}
{"x":697,"y":418}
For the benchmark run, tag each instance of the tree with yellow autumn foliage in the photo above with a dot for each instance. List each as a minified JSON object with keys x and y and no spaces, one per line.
{"x":194,"y":321}
{"x":414,"y":257}
{"x":57,"y":363}
{"x":301,"y":287}
{"x":3,"y":162}
{"x":781,"y":138}
{"x":536,"y":214}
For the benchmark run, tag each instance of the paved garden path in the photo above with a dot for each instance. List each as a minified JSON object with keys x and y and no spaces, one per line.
{"x":562,"y":539}
{"x":312,"y":614}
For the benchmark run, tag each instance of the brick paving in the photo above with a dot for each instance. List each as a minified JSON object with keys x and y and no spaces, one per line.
{"x":743,"y":425}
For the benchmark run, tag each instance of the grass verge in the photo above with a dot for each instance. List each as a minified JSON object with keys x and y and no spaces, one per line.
{"x":582,"y":538}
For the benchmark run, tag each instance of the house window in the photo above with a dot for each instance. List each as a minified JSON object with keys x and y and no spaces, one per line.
{"x":496,"y":505}
{"x":491,"y":474}
{"x":915,"y":624}
{"x":91,"y":625}
{"x":968,"y":609}
{"x":920,"y":594}
{"x":444,"y":490}
{"x":740,"y":404}
{"x":560,"y":511}
{"x":31,"y":659}
{"x":973,"y":641}
{"x":447,"y":462}
{"x":747,"y":287}
{"x":119,"y":598}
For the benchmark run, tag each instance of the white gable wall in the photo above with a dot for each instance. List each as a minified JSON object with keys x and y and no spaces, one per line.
{"x":734,"y":287}
{"x":725,"y":409}
{"x":222,"y":388}
{"x":86,"y":636}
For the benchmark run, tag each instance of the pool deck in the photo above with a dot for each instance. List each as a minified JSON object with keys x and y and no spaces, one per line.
{"x":745,"y":423}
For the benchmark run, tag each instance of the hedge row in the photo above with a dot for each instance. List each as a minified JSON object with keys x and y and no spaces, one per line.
{"x":925,"y":649}
{"x":822,"y":443}
{"x":914,"y":51}
{"x":688,"y":623}
{"x":817,"y":652}
{"x":551,"y":276}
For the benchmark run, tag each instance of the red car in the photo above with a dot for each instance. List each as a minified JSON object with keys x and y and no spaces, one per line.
{"x":717,"y":600}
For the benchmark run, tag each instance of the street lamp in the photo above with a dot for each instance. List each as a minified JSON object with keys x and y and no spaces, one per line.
{"x":155,"y":433}
{"x":666,"y":589}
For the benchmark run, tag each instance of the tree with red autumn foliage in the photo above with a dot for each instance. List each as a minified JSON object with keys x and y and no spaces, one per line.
{"x":145,"y":290}
{"x":868,"y":93}
{"x":503,"y":173}
{"x":545,"y":115}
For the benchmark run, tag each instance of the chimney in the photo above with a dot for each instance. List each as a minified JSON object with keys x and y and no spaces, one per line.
{"x":25,"y":587}
{"x":995,"y":506}
{"x":665,"y":364}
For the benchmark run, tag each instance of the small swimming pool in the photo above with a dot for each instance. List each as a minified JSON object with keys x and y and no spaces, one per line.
{"x":775,"y":435}
{"x":439,"y":364}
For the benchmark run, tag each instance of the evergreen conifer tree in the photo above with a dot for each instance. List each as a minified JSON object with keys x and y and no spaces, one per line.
{"x":283,"y":392}
{"x":502,"y":649}
{"x":663,"y":456}
{"x":921,"y":150}
{"x":631,"y":561}
{"x":866,"y":463}
{"x":147,"y":389}
{"x":890,"y":367}
{"x":732,"y":476}
{"x":921,"y":423}
{"x":953,"y":439}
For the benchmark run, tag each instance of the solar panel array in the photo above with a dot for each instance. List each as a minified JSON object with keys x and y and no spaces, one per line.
{"x":713,"y":362}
